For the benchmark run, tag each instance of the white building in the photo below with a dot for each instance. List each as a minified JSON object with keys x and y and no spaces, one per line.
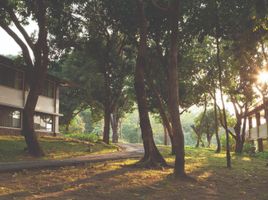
{"x":14,"y":89}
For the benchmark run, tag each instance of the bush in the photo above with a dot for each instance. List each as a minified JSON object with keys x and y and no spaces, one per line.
{"x":231,"y":142}
{"x":90,"y":137}
{"x":249,"y":148}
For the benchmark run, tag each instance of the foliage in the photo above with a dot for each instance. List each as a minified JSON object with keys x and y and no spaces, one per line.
{"x":90,"y":137}
{"x":223,"y":142}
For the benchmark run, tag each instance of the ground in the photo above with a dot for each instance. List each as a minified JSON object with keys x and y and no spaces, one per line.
{"x":12,"y":148}
{"x":247,"y":179}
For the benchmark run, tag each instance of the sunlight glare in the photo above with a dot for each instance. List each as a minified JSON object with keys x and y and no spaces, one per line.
{"x":263,"y":77}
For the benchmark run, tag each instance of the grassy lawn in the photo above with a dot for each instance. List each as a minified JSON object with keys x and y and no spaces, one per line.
{"x":12,"y":148}
{"x":247,"y":180}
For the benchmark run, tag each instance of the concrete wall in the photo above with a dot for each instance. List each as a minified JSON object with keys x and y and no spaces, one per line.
{"x":10,"y":96}
{"x":258,"y":132}
{"x":44,"y":104}
{"x":16,"y":132}
{"x":14,"y":98}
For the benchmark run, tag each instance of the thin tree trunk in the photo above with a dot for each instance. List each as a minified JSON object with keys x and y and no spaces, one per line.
{"x":165,"y":135}
{"x":152,"y":156}
{"x":198,"y":130}
{"x":218,"y":150}
{"x":163,"y":115}
{"x":228,"y":155}
{"x":199,"y":137}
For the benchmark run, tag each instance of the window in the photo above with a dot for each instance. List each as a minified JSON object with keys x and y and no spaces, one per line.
{"x":43,"y":122}
{"x":11,"y":78}
{"x":10,"y":117}
{"x":48,"y":89}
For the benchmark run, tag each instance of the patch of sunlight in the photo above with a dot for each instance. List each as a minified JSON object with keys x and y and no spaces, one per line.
{"x":5,"y":190}
{"x":191,"y":167}
{"x":219,"y":155}
{"x":169,"y":159}
{"x":205,"y":175}
{"x":188,"y":157}
{"x":246,"y":159}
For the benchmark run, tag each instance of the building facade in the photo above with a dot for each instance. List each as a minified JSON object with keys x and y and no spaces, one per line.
{"x":14,"y":89}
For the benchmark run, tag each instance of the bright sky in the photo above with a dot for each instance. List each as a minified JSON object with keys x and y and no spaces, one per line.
{"x":7,"y":45}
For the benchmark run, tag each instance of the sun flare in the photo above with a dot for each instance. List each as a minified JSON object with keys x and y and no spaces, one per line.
{"x":263,"y":77}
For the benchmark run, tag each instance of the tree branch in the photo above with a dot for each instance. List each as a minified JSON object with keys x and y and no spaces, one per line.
{"x":20,"y":28}
{"x":24,"y":48}
{"x":163,"y":9}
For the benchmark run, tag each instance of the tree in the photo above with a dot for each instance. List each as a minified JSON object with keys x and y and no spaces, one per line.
{"x":152,"y":156}
{"x":11,"y":12}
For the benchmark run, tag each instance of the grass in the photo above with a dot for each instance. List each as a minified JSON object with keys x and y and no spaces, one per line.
{"x":247,"y":180}
{"x":12,"y":148}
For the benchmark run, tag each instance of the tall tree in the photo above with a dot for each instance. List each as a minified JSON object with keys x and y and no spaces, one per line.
{"x":11,"y":12}
{"x":152,"y":156}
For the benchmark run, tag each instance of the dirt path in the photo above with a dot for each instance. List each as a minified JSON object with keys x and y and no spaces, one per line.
{"x":127,"y":151}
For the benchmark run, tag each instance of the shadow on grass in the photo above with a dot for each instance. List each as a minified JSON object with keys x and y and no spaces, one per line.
{"x":212,"y":181}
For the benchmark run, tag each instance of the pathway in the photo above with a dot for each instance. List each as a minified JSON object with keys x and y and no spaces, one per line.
{"x":128,"y":151}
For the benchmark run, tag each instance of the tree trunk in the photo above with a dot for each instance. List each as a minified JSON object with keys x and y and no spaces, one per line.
{"x":152,"y":156}
{"x":173,"y":91}
{"x":240,"y":129}
{"x":260,"y":142}
{"x":209,"y":137}
{"x":218,"y":150}
{"x":36,"y":83}
{"x":163,"y":116}
{"x":198,"y":130}
{"x":165,"y":135}
{"x":106,"y":126}
{"x":199,"y":137}
{"x":238,"y":145}
{"x":28,"y":131}
{"x":114,"y":125}
{"x":228,"y":155}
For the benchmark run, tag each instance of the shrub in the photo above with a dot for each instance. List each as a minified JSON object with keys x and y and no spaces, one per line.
{"x":231,"y":142}
{"x":90,"y":137}
{"x":249,"y":148}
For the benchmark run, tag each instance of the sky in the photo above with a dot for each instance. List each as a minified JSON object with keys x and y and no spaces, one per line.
{"x":7,"y":45}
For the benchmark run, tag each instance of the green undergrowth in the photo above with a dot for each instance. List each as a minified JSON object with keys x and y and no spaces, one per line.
{"x":12,"y":148}
{"x":90,"y":137}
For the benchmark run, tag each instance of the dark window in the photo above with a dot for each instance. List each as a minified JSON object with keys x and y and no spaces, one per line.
{"x":48,"y":89}
{"x":10,"y":77}
{"x":43,"y":122}
{"x":10,"y":117}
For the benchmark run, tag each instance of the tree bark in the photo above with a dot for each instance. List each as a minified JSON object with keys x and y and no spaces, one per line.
{"x":199,"y":137}
{"x":38,"y":77}
{"x":152,"y":156}
{"x":114,"y":125}
{"x":228,"y":155}
{"x":106,"y":125}
{"x":218,"y":150}
{"x":173,"y":91}
{"x":163,"y":115}
{"x":165,"y":135}
{"x":198,"y":130}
